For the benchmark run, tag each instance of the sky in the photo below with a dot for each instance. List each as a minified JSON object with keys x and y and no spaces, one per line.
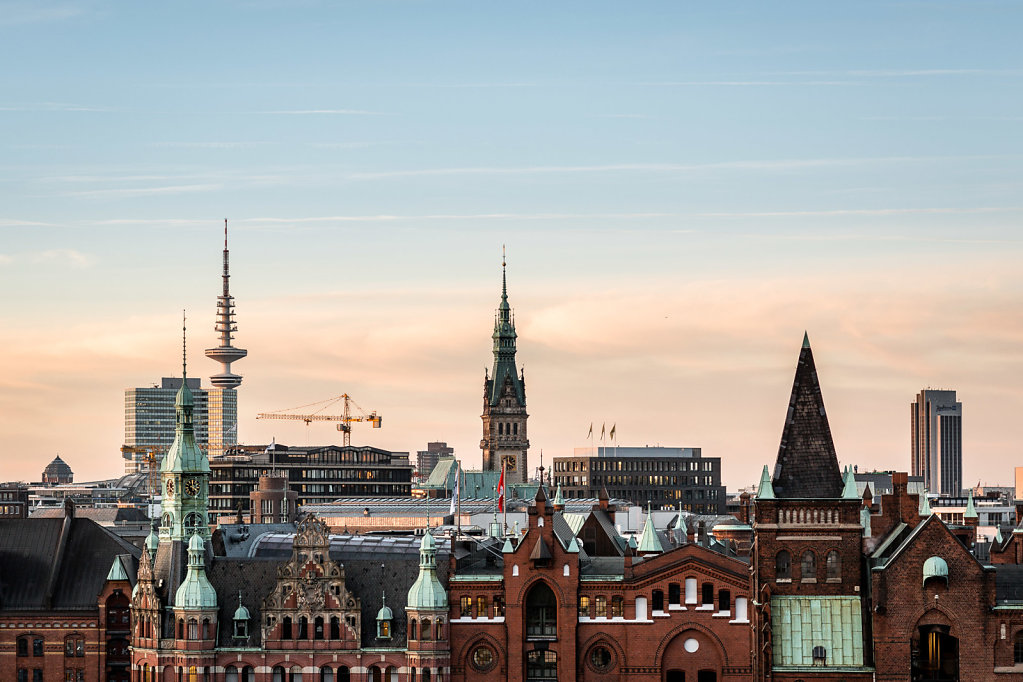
{"x":682,"y":188}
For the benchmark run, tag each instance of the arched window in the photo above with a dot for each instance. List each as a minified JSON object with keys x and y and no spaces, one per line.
{"x":707,"y":594}
{"x":724,"y":601}
{"x":296,"y":674}
{"x":335,"y":627}
{"x":808,"y":567}
{"x":674,"y":594}
{"x":303,"y":628}
{"x":412,"y":628}
{"x":343,"y":675}
{"x":834,"y":565}
{"x":542,"y":612}
{"x":783,"y":566}
{"x":1017,"y":648}
{"x":657,"y":600}
{"x":326,"y":674}
{"x":74,"y":645}
{"x":286,"y":628}
{"x":278,"y":674}
{"x":424,"y":628}
{"x":193,"y":628}
{"x":318,"y":628}
{"x":181,"y":628}
{"x":205,"y":628}
{"x":438,"y":630}
{"x":230,"y":674}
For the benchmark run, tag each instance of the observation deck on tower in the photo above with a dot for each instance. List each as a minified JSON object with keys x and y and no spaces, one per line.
{"x":225,"y":353}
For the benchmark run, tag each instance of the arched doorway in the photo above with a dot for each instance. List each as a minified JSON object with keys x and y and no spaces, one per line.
{"x":541,"y":612}
{"x":935,"y":654}
{"x":692,"y":656}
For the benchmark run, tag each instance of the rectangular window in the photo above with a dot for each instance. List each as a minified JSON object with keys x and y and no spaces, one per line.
{"x":617,"y":607}
{"x":37,"y":646}
{"x":466,"y":607}
{"x":600,"y":607}
{"x":584,"y":607}
{"x":481,"y":607}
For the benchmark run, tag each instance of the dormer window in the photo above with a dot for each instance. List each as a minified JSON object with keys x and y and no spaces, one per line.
{"x":384,"y":618}
{"x":241,"y":629}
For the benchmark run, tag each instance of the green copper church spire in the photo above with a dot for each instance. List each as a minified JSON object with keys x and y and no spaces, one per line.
{"x":504,"y":347}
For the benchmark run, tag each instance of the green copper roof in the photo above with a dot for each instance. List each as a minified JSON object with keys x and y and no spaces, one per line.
{"x":507,"y":548}
{"x":998,"y":535}
{"x":799,"y":624}
{"x":385,"y":611}
{"x":153,"y":541}
{"x":241,"y":613}
{"x":935,"y":567}
{"x":925,"y":504}
{"x":426,"y":592}
{"x":765,"y":491}
{"x":196,"y":592}
{"x":971,"y":511}
{"x":806,"y":339}
{"x":117,"y":570}
{"x":865,"y":521}
{"x":558,"y":499}
{"x":504,"y":351}
{"x":649,"y":542}
{"x":184,"y":455}
{"x":849,"y":492}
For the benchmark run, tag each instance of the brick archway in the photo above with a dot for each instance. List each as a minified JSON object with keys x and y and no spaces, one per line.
{"x":694,"y":653}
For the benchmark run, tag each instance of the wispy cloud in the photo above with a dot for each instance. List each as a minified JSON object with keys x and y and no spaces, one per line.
{"x":65,"y":257}
{"x":38,"y":11}
{"x":210,"y":145}
{"x":52,"y":106}
{"x":145,"y":191}
{"x":326,"y":112}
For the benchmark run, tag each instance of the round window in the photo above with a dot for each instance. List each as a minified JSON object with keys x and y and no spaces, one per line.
{"x":483,"y":658}
{"x":600,"y":658}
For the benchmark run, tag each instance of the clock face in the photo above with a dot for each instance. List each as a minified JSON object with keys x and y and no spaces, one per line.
{"x":193,"y":487}
{"x":170,"y":488}
{"x":509,"y":462}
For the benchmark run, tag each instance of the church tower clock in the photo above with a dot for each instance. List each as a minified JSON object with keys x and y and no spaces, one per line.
{"x":504,"y":442}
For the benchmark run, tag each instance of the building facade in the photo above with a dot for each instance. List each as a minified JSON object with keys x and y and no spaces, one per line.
{"x":505,"y":443}
{"x":317,"y":474}
{"x":936,"y":419}
{"x":149,"y":421}
{"x":427,"y":459}
{"x":660,"y":475}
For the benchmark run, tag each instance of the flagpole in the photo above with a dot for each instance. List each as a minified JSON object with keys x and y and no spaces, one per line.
{"x":502,"y":492}
{"x":458,"y":504}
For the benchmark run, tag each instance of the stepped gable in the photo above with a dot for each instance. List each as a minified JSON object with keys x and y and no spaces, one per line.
{"x":807,"y":466}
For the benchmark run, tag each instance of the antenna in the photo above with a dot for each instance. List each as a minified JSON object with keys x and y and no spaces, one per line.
{"x":184,"y":347}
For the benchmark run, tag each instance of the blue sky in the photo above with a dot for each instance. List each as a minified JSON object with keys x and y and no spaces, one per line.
{"x":683,"y":188}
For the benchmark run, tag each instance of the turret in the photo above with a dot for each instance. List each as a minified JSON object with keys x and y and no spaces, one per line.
{"x":195,"y":602}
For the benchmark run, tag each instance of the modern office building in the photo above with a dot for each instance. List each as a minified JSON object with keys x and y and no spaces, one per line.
{"x":937,"y":441}
{"x":223,"y":400}
{"x":427,"y":459}
{"x":318,"y":474}
{"x":661,"y":476}
{"x":149,"y":421}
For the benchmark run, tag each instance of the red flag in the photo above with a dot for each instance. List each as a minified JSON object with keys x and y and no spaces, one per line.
{"x":500,"y":492}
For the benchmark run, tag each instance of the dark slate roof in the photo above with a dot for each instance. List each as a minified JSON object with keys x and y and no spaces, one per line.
{"x":807,"y":466}
{"x":102,"y":515}
{"x":366,"y":577}
{"x":47,"y":565}
{"x":1008,"y":583}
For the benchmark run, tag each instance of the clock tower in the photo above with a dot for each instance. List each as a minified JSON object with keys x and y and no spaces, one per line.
{"x":184,"y":477}
{"x":504,"y":442}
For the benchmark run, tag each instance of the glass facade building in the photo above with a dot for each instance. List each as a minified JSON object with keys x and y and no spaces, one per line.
{"x":149,"y":420}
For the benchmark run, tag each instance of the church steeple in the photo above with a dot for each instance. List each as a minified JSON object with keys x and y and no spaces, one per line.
{"x":807,"y":466}
{"x":504,"y":442}
{"x":184,"y":472}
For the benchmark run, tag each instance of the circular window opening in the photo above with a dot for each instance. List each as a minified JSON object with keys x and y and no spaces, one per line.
{"x":482,"y":658}
{"x":691,"y":645}
{"x":600,"y":658}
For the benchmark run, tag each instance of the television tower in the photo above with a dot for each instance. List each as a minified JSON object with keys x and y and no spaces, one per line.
{"x":225,"y":353}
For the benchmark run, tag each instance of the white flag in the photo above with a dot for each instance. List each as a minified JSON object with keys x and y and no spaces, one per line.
{"x":454,"y":497}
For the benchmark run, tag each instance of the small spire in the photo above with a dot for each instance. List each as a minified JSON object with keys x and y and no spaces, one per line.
{"x":971,"y":511}
{"x":925,"y":504}
{"x":765,"y":491}
{"x":806,"y":339}
{"x":849,"y":493}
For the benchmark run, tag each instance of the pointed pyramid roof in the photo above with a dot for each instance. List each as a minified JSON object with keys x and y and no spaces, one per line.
{"x":765,"y":491}
{"x":648,"y":541}
{"x":807,"y":466}
{"x":971,"y":510}
{"x":925,"y":505}
{"x":849,"y":491}
{"x":117,"y":571}
{"x":541,"y":552}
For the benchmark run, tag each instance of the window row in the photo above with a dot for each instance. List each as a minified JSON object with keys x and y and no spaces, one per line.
{"x":194,"y":630}
{"x":300,"y":630}
{"x":808,"y":566}
{"x":480,"y":608}
{"x":597,"y":607}
{"x":426,"y":630}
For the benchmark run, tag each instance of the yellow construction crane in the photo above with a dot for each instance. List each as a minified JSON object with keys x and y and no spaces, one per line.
{"x":344,"y":420}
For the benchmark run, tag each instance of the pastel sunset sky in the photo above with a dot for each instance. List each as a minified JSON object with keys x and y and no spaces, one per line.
{"x":683,"y":189}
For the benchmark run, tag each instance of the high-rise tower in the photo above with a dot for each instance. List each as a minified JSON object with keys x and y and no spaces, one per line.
{"x":222,"y":400}
{"x":937,"y":438}
{"x":504,"y":400}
